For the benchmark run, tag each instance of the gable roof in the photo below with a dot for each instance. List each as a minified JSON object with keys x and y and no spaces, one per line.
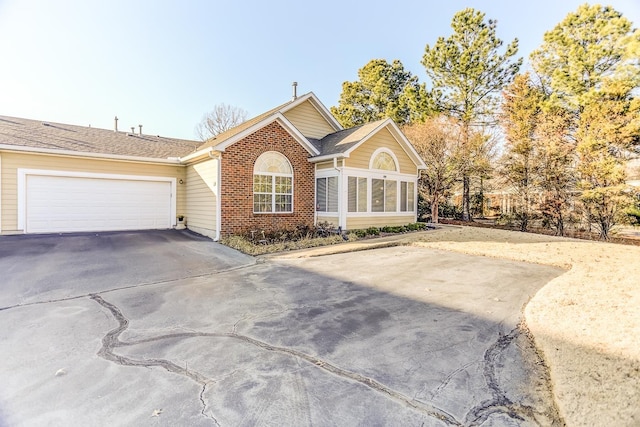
{"x":48,"y":136}
{"x":224,"y":139}
{"x":343,"y":143}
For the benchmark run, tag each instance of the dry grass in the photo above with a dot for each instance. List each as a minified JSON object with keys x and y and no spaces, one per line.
{"x":586,"y":321}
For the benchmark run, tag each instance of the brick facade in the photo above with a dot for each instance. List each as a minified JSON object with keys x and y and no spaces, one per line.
{"x":236,"y":188}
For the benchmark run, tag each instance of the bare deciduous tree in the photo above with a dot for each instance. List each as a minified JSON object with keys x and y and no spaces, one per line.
{"x":438,"y":141}
{"x":222,"y":118}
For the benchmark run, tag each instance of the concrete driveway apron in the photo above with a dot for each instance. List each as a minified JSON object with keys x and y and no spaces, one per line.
{"x":393,"y":336}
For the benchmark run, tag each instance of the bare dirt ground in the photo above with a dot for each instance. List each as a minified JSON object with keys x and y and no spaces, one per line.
{"x":586,"y":321}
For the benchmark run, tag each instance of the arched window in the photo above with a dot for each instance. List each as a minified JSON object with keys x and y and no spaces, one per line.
{"x":383,"y":161}
{"x":272,"y":183}
{"x":384,"y":191}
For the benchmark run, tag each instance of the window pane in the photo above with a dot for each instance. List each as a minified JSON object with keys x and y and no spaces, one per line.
{"x":262,"y":202}
{"x":283,"y":185}
{"x":283,"y":203}
{"x":321,"y":194}
{"x":272,"y":161}
{"x":410,"y":197}
{"x":377,"y":195}
{"x":384,"y":161}
{"x":403,"y":196}
{"x":332,"y":194}
{"x":352,"y":194}
{"x":362,"y":194}
{"x":261,"y":184}
{"x":390,"y":193}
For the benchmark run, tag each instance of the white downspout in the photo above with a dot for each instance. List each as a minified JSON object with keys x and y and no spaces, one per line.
{"x":342,"y":214}
{"x":216,"y":157}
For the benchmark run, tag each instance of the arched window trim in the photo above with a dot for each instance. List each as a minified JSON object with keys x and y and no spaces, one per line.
{"x":272,"y":191}
{"x":390,"y":153}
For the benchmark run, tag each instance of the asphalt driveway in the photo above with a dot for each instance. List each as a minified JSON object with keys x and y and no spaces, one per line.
{"x":164,"y":328}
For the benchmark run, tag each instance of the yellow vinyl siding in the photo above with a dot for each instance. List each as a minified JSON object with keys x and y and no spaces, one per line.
{"x":361,"y":156}
{"x":201,"y":197}
{"x":356,"y":223}
{"x":324,"y":165}
{"x":331,"y":219}
{"x":309,"y":121}
{"x":11,"y":162}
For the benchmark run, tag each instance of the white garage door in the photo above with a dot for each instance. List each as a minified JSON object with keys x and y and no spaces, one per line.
{"x":67,"y":204}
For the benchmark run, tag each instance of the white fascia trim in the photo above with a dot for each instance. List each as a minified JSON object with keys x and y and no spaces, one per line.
{"x":15,"y":148}
{"x":22,"y":187}
{"x":399,"y":136}
{"x":280,"y":118}
{"x":407,"y":146}
{"x":324,"y":111}
{"x":369,"y":136}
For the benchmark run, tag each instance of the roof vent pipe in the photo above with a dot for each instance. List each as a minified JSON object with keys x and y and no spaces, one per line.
{"x":133,"y":130}
{"x":140,"y":126}
{"x":115,"y":127}
{"x":295,"y":90}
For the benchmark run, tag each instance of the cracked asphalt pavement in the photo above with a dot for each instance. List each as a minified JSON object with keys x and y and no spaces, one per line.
{"x":167,"y":328}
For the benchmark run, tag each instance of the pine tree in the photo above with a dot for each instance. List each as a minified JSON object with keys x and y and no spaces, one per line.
{"x":383,"y":90}
{"x":467,"y":72}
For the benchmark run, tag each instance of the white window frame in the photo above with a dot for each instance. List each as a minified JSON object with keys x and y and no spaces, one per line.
{"x":272,"y":193}
{"x":336,"y":195}
{"x":386,"y":151}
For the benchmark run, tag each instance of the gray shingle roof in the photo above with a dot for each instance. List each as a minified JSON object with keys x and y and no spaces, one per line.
{"x":55,"y":136}
{"x":341,"y":141}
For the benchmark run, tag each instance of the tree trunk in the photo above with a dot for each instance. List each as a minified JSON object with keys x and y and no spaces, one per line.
{"x":466,"y":199}
{"x":434,"y":209}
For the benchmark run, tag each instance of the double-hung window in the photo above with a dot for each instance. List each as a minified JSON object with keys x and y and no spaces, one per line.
{"x":272,"y":184}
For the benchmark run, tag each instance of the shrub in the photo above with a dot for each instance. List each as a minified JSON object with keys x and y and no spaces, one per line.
{"x":373,"y":231}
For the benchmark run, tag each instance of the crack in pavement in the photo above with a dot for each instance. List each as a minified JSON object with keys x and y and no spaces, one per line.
{"x":112,"y":340}
{"x":204,"y":406}
{"x":500,"y":403}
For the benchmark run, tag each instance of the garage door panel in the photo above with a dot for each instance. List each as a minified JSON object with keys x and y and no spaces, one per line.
{"x":67,"y":204}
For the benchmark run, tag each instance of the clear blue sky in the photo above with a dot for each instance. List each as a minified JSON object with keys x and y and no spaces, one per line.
{"x":163,"y":64}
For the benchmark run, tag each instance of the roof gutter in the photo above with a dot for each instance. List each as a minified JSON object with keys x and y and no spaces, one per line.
{"x":200,"y":153}
{"x":317,"y":159}
{"x":21,"y":149}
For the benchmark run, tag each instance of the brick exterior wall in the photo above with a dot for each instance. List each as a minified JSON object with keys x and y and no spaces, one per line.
{"x":236,"y":188}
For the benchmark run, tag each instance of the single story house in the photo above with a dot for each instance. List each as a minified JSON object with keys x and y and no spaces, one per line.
{"x":292,"y":165}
